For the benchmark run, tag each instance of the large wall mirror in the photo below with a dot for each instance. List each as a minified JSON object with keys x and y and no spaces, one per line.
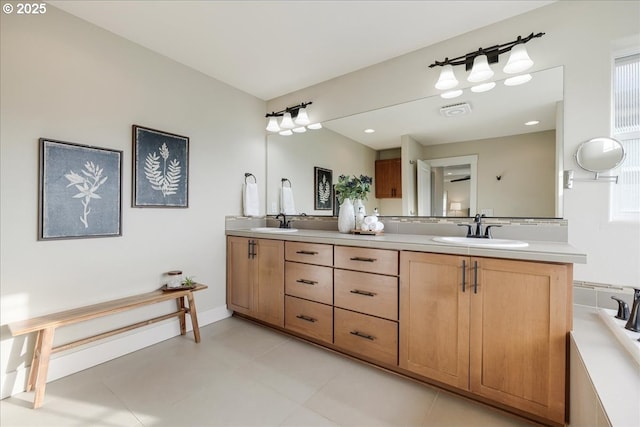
{"x":472,"y":154}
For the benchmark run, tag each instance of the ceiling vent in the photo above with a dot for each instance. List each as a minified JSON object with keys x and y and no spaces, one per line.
{"x":456,"y":110}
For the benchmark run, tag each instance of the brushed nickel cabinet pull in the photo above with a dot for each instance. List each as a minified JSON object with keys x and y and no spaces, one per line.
{"x":361,"y":335}
{"x":365,"y":293}
{"x":306,"y":282}
{"x":307,"y":253}
{"x":306,"y":318}
{"x":357,"y":258}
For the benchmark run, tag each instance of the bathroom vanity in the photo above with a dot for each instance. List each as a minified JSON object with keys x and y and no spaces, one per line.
{"x":491,"y":324}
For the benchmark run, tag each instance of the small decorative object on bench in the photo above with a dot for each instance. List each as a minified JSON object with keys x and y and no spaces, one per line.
{"x":46,"y":325}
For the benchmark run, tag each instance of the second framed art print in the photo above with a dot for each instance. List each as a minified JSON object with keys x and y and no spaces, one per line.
{"x":160,"y":169}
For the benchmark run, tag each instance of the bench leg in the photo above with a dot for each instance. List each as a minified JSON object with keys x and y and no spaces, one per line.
{"x":194,"y":317}
{"x":183,"y":323}
{"x":40,"y":365}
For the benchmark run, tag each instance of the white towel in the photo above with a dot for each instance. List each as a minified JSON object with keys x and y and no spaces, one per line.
{"x":287,"y":205}
{"x":370,"y":220}
{"x":251,"y":199}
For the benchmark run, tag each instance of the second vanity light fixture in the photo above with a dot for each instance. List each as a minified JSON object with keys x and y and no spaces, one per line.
{"x":294,"y":119}
{"x":478,"y":62}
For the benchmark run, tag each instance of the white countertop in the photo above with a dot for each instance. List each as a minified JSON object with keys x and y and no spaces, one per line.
{"x":613,"y":371}
{"x":536,"y":251}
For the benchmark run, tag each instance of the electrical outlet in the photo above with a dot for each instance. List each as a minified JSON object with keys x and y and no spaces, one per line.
{"x":486,"y":212}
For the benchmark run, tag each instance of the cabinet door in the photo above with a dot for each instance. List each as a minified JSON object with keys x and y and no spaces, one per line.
{"x":388,"y":178}
{"x":519,"y":326}
{"x":240,"y":275}
{"x":434,"y":317}
{"x":255,"y":278}
{"x":269,"y":284}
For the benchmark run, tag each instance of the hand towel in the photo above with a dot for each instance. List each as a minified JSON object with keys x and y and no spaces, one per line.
{"x":287,"y":205}
{"x":251,"y":199}
{"x":378,"y":226}
{"x":370,"y":220}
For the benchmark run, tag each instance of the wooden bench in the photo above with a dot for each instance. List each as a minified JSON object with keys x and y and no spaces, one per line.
{"x":46,"y":325}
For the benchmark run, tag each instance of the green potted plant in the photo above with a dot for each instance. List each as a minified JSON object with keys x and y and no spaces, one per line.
{"x":350,"y":189}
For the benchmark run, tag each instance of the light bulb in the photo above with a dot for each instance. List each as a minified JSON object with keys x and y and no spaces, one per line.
{"x":273,"y":124}
{"x":286,"y":122}
{"x":447,"y":78}
{"x":481,"y":70}
{"x":519,"y":60}
{"x":302,"y":118}
{"x":483,"y":87}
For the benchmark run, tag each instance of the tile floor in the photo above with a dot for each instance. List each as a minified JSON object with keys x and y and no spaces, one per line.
{"x":242,"y":374}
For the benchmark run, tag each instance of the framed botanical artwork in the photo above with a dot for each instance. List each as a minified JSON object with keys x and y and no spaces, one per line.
{"x":160,"y":169}
{"x":80,"y":191}
{"x":323,"y":189}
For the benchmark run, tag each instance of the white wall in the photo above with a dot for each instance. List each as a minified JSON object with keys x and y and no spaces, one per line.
{"x":65,"y":79}
{"x":526,"y":165}
{"x":580,"y":35}
{"x":294,"y":157}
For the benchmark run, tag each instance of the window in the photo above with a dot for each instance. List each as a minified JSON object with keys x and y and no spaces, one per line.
{"x":626,"y":129}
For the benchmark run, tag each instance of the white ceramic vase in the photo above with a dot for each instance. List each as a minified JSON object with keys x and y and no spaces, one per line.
{"x":346,"y":217}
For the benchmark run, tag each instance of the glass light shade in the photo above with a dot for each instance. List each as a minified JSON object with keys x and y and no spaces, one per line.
{"x":286,"y":132}
{"x":315,"y":126}
{"x":451,"y":94}
{"x":287,"y":122}
{"x":483,"y":87}
{"x":447,"y":78}
{"x":481,"y":70}
{"x":301,"y":129}
{"x":273,"y":124}
{"x":519,"y":60}
{"x":517,"y":80}
{"x":302,"y":118}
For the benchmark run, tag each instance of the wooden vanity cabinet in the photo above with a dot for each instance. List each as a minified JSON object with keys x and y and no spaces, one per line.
{"x":255,"y":278}
{"x":366,"y":302}
{"x":497,"y":328}
{"x":388,"y":179}
{"x":309,"y":290}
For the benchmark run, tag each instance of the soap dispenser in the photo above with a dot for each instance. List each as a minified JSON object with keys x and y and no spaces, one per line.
{"x":623,"y":309}
{"x":633,"y":324}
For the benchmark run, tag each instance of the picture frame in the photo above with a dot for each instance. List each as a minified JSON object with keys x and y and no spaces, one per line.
{"x":160,"y":169}
{"x":80,"y":191}
{"x":323,"y":189}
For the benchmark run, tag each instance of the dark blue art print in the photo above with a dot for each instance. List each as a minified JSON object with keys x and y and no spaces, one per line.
{"x":161,"y":168}
{"x":80,"y":191}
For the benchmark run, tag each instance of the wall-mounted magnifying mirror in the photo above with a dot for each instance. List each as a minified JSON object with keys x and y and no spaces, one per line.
{"x":600,"y":154}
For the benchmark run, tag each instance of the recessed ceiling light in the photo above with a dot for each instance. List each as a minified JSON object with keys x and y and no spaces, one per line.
{"x":532,"y":123}
{"x":369,"y":130}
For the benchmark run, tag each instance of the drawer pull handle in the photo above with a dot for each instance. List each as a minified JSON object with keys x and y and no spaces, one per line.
{"x":306,"y":318}
{"x":358,"y":258}
{"x":307,"y":253}
{"x":361,"y":335}
{"x":306,"y":282}
{"x":365,"y":293}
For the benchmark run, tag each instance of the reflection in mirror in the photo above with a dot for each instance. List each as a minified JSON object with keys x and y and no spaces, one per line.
{"x":518,"y":166}
{"x":600,"y":154}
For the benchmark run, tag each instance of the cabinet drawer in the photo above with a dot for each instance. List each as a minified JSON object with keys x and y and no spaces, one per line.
{"x":366,"y":335}
{"x":367,"y":293}
{"x":380,"y":261}
{"x":308,"y":318}
{"x":311,"y":253}
{"x":308,"y":281}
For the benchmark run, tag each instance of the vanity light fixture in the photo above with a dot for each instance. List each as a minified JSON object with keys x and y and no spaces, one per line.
{"x":483,"y":87}
{"x":478,"y":62}
{"x":294,"y":119}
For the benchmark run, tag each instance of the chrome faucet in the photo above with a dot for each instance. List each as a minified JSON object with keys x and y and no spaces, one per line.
{"x":283,"y":222}
{"x":478,"y":233}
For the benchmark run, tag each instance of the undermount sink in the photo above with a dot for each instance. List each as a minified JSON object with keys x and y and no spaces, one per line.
{"x":274,"y":230}
{"x":482,"y":243}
